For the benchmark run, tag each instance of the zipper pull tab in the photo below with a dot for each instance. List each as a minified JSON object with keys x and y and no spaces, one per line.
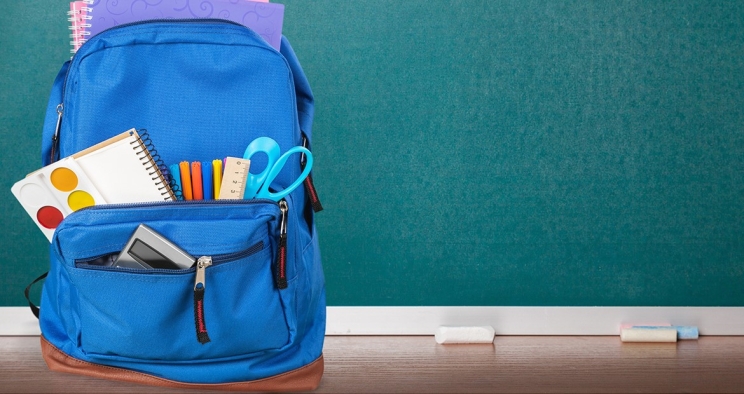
{"x":55,"y":138}
{"x":199,"y":287}
{"x":308,"y":182}
{"x":201,"y":267}
{"x":280,"y":274}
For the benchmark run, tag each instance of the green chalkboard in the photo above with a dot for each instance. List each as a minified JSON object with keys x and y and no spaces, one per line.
{"x":484,"y":152}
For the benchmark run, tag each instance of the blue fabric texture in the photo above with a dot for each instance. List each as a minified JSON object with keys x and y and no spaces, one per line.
{"x":203,"y":90}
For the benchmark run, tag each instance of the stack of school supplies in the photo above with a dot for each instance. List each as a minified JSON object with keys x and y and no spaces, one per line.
{"x":88,"y":17}
{"x":197,"y":180}
{"x":206,"y":180}
{"x":119,"y":170}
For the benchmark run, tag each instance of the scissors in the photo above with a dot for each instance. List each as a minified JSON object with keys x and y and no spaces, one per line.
{"x":257,"y":185}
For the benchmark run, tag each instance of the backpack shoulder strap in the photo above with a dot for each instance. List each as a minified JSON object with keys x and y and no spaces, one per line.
{"x":34,"y":308}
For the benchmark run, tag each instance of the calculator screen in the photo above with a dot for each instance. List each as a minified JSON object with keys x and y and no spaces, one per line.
{"x":143,"y":253}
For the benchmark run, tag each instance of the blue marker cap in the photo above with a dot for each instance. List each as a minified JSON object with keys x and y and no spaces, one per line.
{"x":176,"y":178}
{"x":206,"y":168}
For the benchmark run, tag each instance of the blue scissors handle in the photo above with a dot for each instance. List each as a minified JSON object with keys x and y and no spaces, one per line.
{"x":264,"y":192}
{"x":257,"y":185}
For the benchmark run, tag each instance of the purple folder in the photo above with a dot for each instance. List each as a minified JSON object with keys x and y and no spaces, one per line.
{"x":264,"y":18}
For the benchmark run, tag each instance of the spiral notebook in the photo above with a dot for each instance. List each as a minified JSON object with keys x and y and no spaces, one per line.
{"x":78,"y":18}
{"x":123,"y":170}
{"x":90,"y":17}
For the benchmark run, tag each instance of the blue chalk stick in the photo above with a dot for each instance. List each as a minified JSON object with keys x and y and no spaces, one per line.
{"x":683,"y":332}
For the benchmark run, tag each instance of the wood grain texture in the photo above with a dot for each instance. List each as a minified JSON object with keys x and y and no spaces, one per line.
{"x":418,"y":364}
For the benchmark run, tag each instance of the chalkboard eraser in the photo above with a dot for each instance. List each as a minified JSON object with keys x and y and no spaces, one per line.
{"x":473,"y":334}
{"x":649,"y":334}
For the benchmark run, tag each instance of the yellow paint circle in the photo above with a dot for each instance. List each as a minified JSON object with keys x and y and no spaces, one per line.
{"x":64,"y":179}
{"x":80,"y":199}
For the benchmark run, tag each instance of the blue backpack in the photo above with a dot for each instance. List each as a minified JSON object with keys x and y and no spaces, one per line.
{"x":203,"y":89}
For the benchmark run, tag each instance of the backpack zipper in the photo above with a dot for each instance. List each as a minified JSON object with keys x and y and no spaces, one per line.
{"x":217,"y":259}
{"x":55,"y":138}
{"x":199,"y":287}
{"x":156,"y":204}
{"x":281,"y":253}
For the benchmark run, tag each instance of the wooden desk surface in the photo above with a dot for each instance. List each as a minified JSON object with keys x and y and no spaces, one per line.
{"x":418,"y":364}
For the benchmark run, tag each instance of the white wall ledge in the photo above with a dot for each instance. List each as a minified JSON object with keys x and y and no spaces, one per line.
{"x":424,"y":320}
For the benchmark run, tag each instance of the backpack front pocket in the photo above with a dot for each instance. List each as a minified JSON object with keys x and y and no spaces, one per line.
{"x":155,"y":314}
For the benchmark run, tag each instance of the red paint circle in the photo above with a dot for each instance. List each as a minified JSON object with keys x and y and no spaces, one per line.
{"x":49,"y":217}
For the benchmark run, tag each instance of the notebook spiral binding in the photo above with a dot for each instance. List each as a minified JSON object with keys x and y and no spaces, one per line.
{"x":149,"y":155}
{"x":79,"y":18}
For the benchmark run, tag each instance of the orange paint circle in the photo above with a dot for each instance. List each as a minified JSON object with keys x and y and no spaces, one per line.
{"x":80,"y":199}
{"x":64,"y":179}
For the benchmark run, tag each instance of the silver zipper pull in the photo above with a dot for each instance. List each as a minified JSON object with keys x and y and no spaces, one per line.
{"x":55,"y":137}
{"x":201,"y":267}
{"x":199,"y":286}
{"x":284,"y":208}
{"x":280,"y":270}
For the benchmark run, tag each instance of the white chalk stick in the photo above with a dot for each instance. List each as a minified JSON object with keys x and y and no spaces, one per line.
{"x":657,"y":334}
{"x":478,"y":334}
{"x":683,"y":332}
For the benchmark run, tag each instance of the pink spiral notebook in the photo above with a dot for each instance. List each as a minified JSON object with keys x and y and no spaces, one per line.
{"x":90,"y":17}
{"x":78,"y":18}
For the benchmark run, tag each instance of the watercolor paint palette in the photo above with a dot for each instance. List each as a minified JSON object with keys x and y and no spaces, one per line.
{"x":55,"y":191}
{"x":121,"y":169}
